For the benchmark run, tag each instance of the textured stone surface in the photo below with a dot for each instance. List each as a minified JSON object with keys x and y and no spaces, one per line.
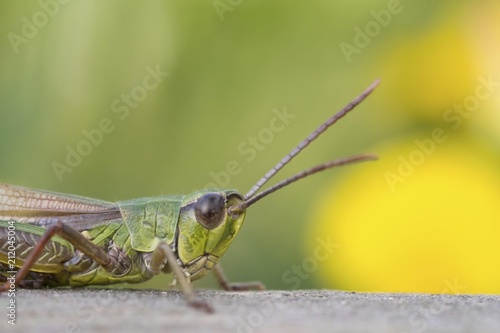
{"x":93,"y":310}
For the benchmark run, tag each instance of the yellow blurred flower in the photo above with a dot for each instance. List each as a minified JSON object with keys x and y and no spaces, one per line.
{"x":431,"y":70}
{"x":436,"y":231}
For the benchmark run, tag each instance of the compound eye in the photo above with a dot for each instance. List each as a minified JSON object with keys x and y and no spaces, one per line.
{"x":210,"y":210}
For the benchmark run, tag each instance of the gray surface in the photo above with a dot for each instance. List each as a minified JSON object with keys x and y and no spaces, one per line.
{"x":92,"y":310}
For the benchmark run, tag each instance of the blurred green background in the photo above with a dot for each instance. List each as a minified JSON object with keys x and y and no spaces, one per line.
{"x":421,"y":219}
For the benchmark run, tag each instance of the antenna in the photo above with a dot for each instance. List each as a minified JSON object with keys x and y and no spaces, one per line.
{"x":251,"y":197}
{"x":323,"y":127}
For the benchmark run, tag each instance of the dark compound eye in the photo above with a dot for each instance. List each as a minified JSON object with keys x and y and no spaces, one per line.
{"x":210,"y":210}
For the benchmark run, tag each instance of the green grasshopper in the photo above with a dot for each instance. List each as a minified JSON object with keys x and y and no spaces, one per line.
{"x":66,"y":240}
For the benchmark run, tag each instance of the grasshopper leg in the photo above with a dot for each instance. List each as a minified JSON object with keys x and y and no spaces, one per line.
{"x":238,"y":286}
{"x":77,"y":240}
{"x":162,"y":252}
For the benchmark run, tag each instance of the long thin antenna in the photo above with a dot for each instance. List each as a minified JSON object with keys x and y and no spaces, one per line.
{"x":320,"y":167}
{"x":295,"y":151}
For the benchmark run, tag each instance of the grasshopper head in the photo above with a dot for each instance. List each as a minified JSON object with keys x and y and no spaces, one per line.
{"x":206,"y":228}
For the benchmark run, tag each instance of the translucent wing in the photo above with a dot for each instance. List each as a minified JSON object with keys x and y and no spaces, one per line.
{"x":44,"y":208}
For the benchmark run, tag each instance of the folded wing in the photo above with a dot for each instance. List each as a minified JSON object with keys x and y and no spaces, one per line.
{"x":44,"y":208}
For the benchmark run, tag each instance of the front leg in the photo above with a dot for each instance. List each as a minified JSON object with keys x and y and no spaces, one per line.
{"x":232,"y":286}
{"x":164,"y":254}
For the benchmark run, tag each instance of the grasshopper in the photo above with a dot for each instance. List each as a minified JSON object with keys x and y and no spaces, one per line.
{"x":67,"y":240}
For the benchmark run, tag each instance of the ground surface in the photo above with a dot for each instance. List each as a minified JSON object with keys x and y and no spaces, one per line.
{"x":92,"y":310}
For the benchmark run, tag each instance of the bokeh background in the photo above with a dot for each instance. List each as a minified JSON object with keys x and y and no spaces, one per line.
{"x":424,"y":218}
